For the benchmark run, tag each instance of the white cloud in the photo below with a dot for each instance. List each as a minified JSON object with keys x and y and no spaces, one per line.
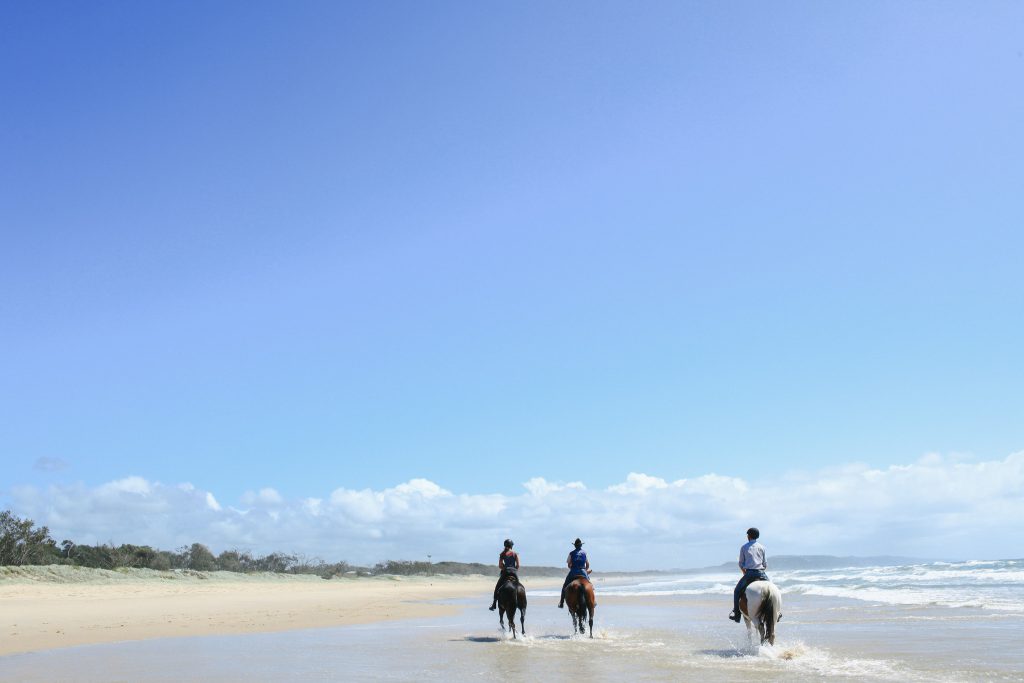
{"x":422,"y":487}
{"x":938,"y":506}
{"x":638,"y":483}
{"x":264,"y":497}
{"x":136,"y":485}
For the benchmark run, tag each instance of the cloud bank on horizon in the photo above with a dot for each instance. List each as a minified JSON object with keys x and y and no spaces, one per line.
{"x":936,"y":507}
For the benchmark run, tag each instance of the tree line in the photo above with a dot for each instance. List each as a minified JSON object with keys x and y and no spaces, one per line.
{"x":23,"y":543}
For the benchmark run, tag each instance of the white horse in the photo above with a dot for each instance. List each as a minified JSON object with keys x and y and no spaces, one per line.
{"x":761,"y":606}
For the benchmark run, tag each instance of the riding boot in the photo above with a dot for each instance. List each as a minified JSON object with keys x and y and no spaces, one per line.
{"x":494,"y":606}
{"x":735,"y":616}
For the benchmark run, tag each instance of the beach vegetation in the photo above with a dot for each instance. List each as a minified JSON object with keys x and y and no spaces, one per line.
{"x":199,"y":558}
{"x":417,"y":568}
{"x":234,"y":561}
{"x":22,"y":542}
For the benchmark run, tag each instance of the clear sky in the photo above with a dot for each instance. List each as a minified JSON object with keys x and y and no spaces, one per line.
{"x":297,"y":252}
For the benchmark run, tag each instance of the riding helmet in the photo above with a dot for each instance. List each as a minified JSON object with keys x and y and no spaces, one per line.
{"x":509,"y":543}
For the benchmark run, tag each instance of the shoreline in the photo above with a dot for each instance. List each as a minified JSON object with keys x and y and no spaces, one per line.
{"x":46,"y":608}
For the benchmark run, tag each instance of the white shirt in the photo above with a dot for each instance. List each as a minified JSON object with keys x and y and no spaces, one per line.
{"x":752,"y":556}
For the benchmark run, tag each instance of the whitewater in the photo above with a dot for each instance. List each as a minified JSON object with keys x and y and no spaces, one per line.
{"x":991,"y":585}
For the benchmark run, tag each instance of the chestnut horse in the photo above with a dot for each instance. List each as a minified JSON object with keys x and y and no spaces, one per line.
{"x":579,"y":598}
{"x":761,"y":607}
{"x":510,"y":596}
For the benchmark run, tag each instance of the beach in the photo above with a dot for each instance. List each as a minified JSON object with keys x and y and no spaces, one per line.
{"x":54,"y":607}
{"x":932,"y":622}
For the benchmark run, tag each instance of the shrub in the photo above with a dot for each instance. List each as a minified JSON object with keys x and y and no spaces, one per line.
{"x":21,"y":542}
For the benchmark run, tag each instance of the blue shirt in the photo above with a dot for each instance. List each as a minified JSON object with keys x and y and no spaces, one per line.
{"x":579,"y":560}
{"x":752,"y":556}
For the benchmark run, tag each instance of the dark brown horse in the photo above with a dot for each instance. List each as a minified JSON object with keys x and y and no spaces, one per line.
{"x":579,"y":598}
{"x":512,"y":595}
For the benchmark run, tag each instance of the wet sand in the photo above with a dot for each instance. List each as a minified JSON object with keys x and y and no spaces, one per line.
{"x":680,"y":638}
{"x":275,"y":628}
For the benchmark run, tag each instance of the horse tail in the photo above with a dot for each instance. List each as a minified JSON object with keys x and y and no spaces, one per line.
{"x":768,"y":611}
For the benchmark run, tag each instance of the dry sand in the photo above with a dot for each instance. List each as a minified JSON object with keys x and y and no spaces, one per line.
{"x":50,"y":607}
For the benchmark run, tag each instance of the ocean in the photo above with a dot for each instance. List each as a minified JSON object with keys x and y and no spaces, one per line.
{"x":922,"y":622}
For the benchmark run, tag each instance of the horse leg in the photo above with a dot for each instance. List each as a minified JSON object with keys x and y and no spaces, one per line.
{"x":512,"y":621}
{"x":570,"y":598}
{"x":521,"y":601}
{"x":591,"y":604}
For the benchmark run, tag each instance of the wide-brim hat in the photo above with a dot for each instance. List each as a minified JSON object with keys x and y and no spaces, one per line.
{"x":577,"y":542}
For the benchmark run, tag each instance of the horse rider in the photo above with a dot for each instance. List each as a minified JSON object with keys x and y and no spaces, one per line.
{"x":752,"y":563}
{"x":579,"y":566}
{"x":508,"y":562}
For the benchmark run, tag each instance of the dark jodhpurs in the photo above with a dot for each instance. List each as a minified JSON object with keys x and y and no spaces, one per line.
{"x":749,"y":577}
{"x":505,"y":574}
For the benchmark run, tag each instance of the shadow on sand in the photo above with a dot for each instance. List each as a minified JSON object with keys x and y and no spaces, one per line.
{"x":724,"y":654}
{"x":498,"y":639}
{"x":479,"y":639}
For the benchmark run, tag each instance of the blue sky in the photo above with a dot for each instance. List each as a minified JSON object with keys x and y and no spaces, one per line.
{"x":329,"y":246}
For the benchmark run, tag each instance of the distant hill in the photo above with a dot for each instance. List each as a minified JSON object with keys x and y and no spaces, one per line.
{"x":796,"y":562}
